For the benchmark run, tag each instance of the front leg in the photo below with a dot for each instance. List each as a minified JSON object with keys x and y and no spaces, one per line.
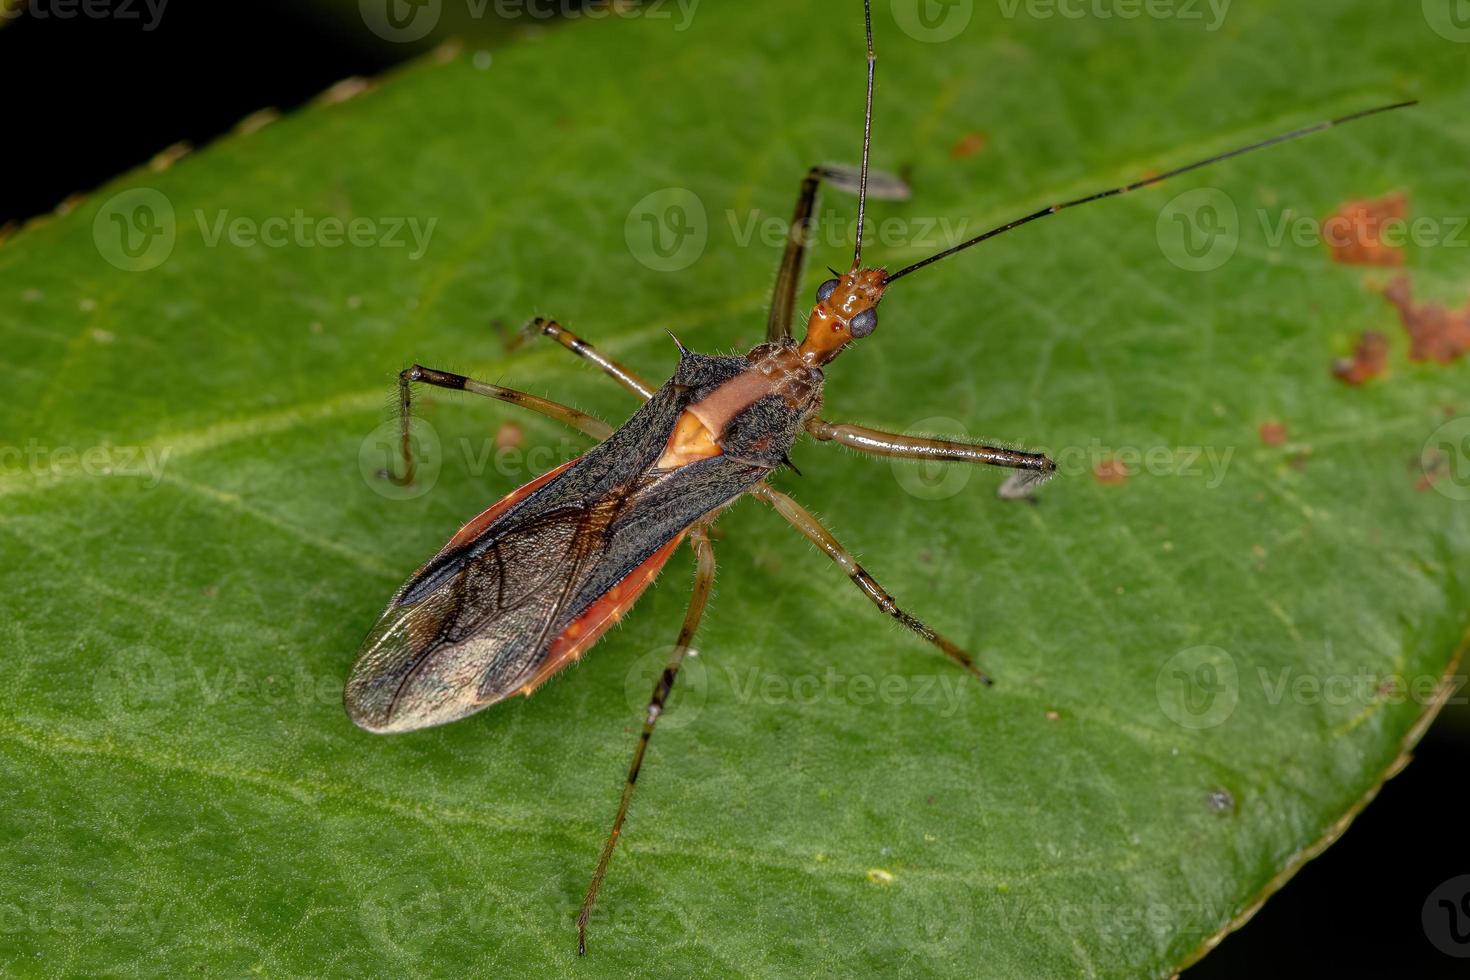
{"x":581,"y":421}
{"x":1033,"y":469}
{"x":627,"y":378}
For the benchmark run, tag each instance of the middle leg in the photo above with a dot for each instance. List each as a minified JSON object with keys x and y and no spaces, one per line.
{"x":806,"y":522}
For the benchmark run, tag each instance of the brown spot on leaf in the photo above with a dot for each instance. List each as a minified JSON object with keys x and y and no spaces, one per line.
{"x":1369,"y":360}
{"x":1354,"y":232}
{"x":1273,"y":433}
{"x":509,"y":436}
{"x":1109,"y":472}
{"x":969,"y":145}
{"x":1435,"y":332}
{"x":1433,"y":466}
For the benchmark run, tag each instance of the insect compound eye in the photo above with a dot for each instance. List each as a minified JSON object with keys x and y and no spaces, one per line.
{"x":864,"y":323}
{"x":825,"y":290}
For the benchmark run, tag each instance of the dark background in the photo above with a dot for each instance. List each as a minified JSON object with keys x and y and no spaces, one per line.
{"x":92,"y":98}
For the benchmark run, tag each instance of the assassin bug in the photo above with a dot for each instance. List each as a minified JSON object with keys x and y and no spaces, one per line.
{"x":529,"y":585}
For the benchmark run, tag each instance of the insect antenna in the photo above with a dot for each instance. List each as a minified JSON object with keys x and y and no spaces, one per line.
{"x":1145,"y":182}
{"x":857,"y":252}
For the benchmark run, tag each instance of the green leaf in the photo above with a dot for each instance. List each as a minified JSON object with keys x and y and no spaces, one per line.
{"x":1193,"y":665}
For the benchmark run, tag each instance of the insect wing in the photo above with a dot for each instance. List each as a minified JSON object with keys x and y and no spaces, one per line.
{"x":467,"y":628}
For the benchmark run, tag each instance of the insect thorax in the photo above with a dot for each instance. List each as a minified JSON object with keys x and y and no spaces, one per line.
{"x":790,"y":377}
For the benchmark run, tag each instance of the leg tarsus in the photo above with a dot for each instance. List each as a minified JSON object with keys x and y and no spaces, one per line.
{"x":811,"y":528}
{"x":704,"y":576}
{"x":1022,"y":486}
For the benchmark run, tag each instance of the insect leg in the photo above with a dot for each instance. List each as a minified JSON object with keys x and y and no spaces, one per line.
{"x":581,"y":421}
{"x":783,"y":297}
{"x":704,"y":577}
{"x":584,"y":350}
{"x":1032,"y":468}
{"x":804,"y":521}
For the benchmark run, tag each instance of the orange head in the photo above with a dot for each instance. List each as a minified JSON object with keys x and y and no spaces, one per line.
{"x":846,"y":310}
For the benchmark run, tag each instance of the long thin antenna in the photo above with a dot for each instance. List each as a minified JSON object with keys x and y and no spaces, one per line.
{"x":1146,"y":182}
{"x":857,"y":253}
